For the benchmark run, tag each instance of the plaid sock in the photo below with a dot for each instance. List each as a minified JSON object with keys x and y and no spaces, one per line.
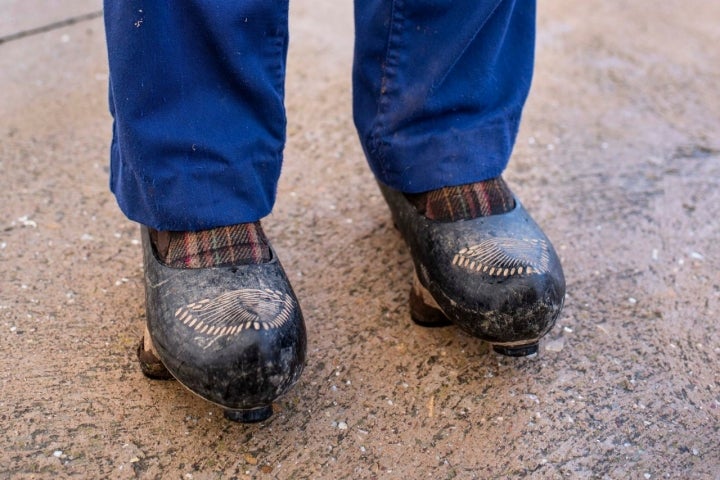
{"x":465,"y":202}
{"x":240,"y":244}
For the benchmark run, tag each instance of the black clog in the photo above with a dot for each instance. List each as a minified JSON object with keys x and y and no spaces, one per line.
{"x":496,"y":277}
{"x":235,"y":336}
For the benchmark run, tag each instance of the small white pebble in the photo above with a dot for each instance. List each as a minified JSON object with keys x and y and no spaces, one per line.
{"x":647,"y":475}
{"x":57,"y":453}
{"x":86,"y":237}
{"x":555,"y":345}
{"x":632,"y":300}
{"x":3,"y":245}
{"x":567,"y":329}
{"x":342,"y":426}
{"x":26,"y":222}
{"x":135,"y":241}
{"x":696,"y":256}
{"x":655,"y":254}
{"x":695,"y":452}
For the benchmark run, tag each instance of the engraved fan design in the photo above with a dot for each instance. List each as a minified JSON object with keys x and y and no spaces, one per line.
{"x":233,"y":312}
{"x":502,"y":257}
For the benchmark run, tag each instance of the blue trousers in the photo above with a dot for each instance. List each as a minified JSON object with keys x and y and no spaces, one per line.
{"x":196,"y":94}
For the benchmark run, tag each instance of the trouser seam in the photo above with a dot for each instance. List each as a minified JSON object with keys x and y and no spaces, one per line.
{"x":389,"y":71}
{"x":281,"y":34}
{"x":460,"y":54}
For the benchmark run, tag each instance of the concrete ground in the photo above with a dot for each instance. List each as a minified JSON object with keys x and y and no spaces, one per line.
{"x":618,"y":158}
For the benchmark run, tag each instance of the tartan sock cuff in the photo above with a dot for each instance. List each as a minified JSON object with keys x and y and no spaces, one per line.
{"x":240,"y":244}
{"x":465,"y":202}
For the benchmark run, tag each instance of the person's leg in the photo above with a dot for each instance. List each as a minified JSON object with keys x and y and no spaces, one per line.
{"x":439,"y":87}
{"x":196,"y":94}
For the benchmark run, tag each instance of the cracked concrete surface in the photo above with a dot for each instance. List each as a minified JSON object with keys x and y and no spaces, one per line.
{"x":618,"y":158}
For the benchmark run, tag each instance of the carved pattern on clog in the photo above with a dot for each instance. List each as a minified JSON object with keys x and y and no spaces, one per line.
{"x":505,"y":257}
{"x":234,"y":312}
